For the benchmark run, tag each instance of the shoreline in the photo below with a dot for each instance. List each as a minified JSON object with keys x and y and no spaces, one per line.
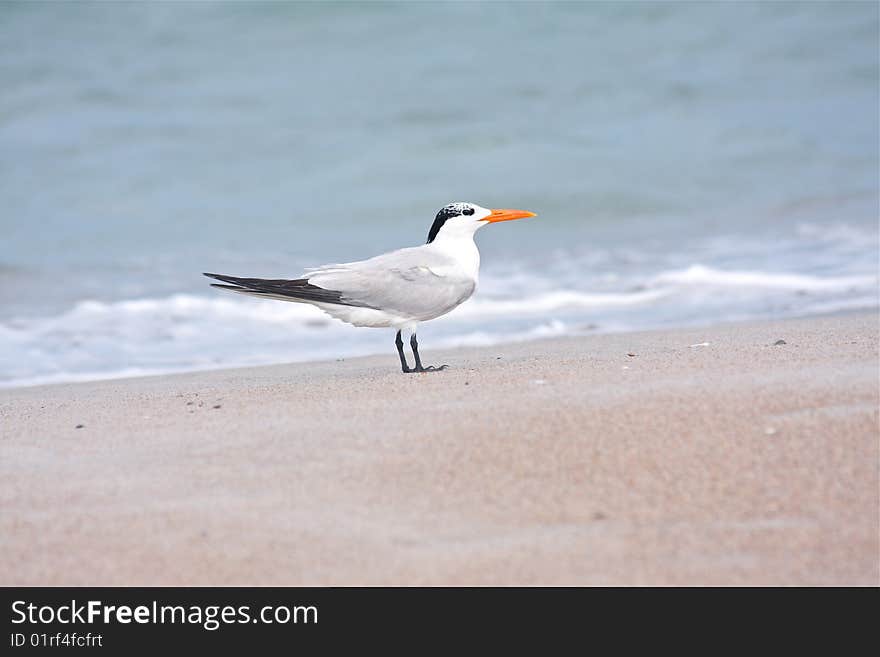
{"x":450,"y":351}
{"x":710,"y":456}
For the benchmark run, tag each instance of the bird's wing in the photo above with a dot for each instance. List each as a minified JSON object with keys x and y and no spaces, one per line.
{"x":415,"y":282}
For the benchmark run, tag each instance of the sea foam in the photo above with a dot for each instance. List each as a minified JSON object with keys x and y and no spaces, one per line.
{"x":102,"y":339}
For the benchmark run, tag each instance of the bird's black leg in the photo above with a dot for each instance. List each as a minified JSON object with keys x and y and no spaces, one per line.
{"x":415,"y":348}
{"x":399,"y":342}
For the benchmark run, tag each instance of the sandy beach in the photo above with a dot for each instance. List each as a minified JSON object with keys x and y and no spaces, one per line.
{"x":694,"y":456}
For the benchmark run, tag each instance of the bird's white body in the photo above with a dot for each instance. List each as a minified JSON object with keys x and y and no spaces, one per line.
{"x":395,"y":290}
{"x":406,"y":286}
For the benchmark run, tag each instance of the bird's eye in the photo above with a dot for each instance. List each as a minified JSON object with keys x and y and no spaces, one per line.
{"x":468,"y":211}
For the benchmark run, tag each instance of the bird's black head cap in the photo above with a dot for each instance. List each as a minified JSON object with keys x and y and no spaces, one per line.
{"x":448,"y":212}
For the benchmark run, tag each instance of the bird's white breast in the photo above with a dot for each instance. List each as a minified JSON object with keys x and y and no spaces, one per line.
{"x":462,"y":258}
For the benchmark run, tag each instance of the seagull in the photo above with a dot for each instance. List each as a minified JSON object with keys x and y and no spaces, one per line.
{"x":399,"y":289}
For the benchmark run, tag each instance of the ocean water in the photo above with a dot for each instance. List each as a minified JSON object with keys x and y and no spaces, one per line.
{"x":690,"y":163}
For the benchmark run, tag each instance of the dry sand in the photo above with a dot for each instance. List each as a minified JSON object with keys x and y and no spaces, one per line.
{"x":557,"y":462}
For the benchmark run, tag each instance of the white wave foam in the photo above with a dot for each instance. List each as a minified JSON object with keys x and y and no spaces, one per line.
{"x":707,"y":276}
{"x":550,"y":329}
{"x":91,"y":317}
{"x":181,"y":306}
{"x":95,"y":339}
{"x":554,"y":301}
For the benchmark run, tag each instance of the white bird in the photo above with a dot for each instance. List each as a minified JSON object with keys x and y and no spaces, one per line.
{"x":398,"y":289}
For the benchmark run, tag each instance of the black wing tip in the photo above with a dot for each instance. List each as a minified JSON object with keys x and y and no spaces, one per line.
{"x":243,"y":282}
{"x":299,"y":289}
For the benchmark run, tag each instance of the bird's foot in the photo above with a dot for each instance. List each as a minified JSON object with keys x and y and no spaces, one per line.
{"x":429,"y":368}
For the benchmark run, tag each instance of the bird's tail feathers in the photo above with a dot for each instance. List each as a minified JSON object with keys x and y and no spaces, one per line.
{"x":298,"y":289}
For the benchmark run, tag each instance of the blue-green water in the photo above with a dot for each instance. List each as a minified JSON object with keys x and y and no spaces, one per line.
{"x":690,"y":163}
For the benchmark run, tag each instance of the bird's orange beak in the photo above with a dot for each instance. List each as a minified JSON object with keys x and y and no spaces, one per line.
{"x":508,"y":215}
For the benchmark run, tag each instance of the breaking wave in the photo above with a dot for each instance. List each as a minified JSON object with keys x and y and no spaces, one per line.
{"x":182,"y":332}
